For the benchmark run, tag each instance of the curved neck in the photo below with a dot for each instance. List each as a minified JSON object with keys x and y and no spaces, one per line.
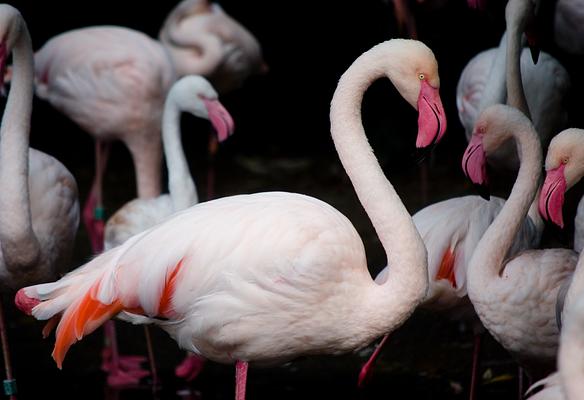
{"x":571,"y":352}
{"x":487,"y":260}
{"x":494,"y":91}
{"x":20,"y":246}
{"x":208,"y":45}
{"x":515,"y":94}
{"x":181,"y":186}
{"x":405,"y":250}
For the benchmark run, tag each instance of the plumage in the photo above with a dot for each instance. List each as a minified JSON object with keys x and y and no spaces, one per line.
{"x":267,"y":277}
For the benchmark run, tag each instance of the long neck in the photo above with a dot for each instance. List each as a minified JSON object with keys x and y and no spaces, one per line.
{"x":579,"y":227}
{"x":20,"y":247}
{"x":180,"y":183}
{"x":571,"y":352}
{"x":515,"y":94}
{"x":487,"y":260}
{"x":494,"y":91}
{"x":406,"y":254}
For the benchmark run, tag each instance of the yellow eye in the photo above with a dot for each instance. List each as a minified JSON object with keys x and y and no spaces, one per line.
{"x":421,"y":76}
{"x":565,"y":160}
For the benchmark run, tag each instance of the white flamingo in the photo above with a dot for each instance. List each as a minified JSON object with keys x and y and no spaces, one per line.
{"x":39,"y":208}
{"x":566,"y":152}
{"x":515,"y":298}
{"x":267,"y":277}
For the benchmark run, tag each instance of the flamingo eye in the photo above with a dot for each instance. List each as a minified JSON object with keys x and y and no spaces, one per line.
{"x":565,"y":160}
{"x":421,"y":76}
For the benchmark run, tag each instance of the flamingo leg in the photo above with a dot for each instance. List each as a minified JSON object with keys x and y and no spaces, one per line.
{"x":240,"y":379}
{"x":93,"y":214}
{"x":520,"y":381}
{"x":151,"y":358}
{"x":367,"y":369}
{"x":475,"y":365}
{"x":9,"y":382}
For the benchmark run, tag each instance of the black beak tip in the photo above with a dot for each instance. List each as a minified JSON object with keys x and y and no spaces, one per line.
{"x":422,"y":153}
{"x":534,"y":53}
{"x":483,"y":191}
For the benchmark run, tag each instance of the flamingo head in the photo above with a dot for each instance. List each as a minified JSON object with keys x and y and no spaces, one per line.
{"x":492,"y":129}
{"x":418,"y":82}
{"x":195,"y":95}
{"x":564,"y":167}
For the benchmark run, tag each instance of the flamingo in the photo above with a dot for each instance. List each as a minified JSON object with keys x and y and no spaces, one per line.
{"x":39,"y":208}
{"x":564,"y":168}
{"x":112,"y":82}
{"x":267,"y":277}
{"x":202,"y":39}
{"x":515,"y":298}
{"x":193,"y":94}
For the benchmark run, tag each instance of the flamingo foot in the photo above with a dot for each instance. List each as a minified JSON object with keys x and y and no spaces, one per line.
{"x":127,"y":372}
{"x":190,"y":367}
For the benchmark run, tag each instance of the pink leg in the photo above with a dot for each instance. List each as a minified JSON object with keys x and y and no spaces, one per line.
{"x":213,"y":146}
{"x":367,"y":369}
{"x":190,"y":367}
{"x":475,"y":365}
{"x":93,"y":215}
{"x":240,"y":379}
{"x":520,"y":381}
{"x":151,"y":359}
{"x":9,"y":382}
{"x":122,"y":371}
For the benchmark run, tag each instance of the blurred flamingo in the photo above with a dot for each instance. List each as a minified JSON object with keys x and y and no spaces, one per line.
{"x":261,"y":277}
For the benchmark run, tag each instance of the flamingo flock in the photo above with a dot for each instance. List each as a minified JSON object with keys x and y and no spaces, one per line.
{"x":260,"y":279}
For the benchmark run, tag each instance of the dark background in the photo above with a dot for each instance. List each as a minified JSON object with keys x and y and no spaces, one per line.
{"x":282,"y":142}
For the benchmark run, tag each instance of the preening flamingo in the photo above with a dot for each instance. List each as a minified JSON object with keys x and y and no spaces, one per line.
{"x":39,"y":208}
{"x":566,"y":151}
{"x":261,"y":278}
{"x":515,"y":298}
{"x":202,"y":39}
{"x":193,"y":94}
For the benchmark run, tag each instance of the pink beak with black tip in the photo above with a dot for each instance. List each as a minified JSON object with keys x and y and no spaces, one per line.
{"x":431,"y":116}
{"x":551,"y":198}
{"x":220,"y":119}
{"x":474,"y":162}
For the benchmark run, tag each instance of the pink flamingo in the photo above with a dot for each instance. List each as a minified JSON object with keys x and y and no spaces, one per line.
{"x":566,"y":152}
{"x":261,"y":278}
{"x":39,"y":208}
{"x":515,"y":298}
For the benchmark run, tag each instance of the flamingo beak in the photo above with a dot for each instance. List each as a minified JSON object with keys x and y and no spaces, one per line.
{"x":431,"y":116}
{"x":220,"y":119}
{"x":474,"y":164}
{"x":551,"y":198}
{"x":533,"y":42}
